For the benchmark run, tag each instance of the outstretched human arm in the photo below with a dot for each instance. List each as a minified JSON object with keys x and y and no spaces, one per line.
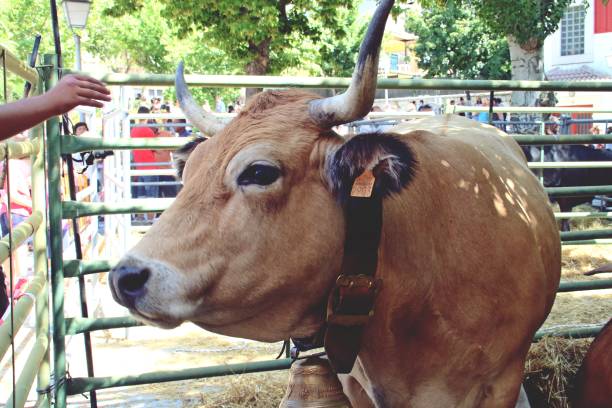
{"x":71,"y":91}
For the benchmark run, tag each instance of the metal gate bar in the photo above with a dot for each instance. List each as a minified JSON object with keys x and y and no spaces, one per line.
{"x":253,"y":81}
{"x":81,"y":384}
{"x":55,"y":231}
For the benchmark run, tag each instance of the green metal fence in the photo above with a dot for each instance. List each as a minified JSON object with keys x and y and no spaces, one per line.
{"x":35,"y":295}
{"x":58,"y":209}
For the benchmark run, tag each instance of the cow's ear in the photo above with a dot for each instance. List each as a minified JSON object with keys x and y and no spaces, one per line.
{"x":181,"y":155}
{"x":390,"y":160}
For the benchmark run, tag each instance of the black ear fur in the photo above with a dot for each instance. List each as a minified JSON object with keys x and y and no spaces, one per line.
{"x":390,"y":159}
{"x":181,"y":155}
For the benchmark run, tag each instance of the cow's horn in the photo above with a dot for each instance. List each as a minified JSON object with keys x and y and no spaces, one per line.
{"x":357,"y":101}
{"x":206,"y":122}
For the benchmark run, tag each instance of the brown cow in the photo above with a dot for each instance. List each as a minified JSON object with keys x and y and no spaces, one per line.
{"x":593,"y":382}
{"x":469,"y":253}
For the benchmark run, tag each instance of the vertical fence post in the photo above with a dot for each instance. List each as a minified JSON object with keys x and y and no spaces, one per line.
{"x":542,"y":133}
{"x":55,"y":233}
{"x":40,"y":261}
{"x":125,"y":169}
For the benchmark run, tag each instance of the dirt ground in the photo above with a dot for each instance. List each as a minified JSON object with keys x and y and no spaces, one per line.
{"x":148,"y":349}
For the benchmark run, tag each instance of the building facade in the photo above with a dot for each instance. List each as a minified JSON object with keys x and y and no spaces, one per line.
{"x":581,"y":50}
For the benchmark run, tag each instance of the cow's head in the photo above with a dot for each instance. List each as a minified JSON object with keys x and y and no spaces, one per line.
{"x":254,"y":240}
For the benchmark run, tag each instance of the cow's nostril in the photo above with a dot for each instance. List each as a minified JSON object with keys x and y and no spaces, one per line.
{"x":132,"y":280}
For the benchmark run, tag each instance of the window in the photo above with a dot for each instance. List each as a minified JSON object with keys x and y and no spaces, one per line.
{"x":394,"y":63}
{"x":572,"y":31}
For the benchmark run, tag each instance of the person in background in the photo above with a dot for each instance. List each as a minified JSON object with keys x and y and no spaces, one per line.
{"x":164,"y":160}
{"x":79,"y":128}
{"x":70,"y":92}
{"x":552,"y":129}
{"x":206,"y":106}
{"x":142,"y":102}
{"x":19,"y":180}
{"x":503,"y":115}
{"x":596,"y":131}
{"x":4,"y":295}
{"x":166,"y":109}
{"x":136,"y":104}
{"x":237,"y":106}
{"x":461,"y":103}
{"x":497,"y":117}
{"x":182,"y":131}
{"x":219,"y":104}
{"x":155,"y":105}
{"x":83,"y":159}
{"x":144,"y":159}
{"x":483,"y":117}
{"x":425,"y":108}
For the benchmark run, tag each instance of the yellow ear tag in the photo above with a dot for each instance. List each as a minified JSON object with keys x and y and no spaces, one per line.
{"x":363,"y":185}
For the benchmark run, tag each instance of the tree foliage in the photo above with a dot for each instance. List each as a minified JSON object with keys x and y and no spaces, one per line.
{"x":454,"y":43}
{"x":337,"y":56}
{"x":20,"y":21}
{"x":264,"y":36}
{"x":129,"y":41}
{"x":529,"y":22}
{"x":201,"y":58}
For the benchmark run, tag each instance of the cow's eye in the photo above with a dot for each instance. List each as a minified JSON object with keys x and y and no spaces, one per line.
{"x":260,"y":174}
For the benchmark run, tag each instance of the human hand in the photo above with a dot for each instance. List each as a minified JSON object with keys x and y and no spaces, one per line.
{"x":74,"y":90}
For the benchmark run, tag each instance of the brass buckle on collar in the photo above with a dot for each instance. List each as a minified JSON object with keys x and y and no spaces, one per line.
{"x":351,"y":302}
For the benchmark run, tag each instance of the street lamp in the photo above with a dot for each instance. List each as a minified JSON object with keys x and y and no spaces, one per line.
{"x":76,"y":12}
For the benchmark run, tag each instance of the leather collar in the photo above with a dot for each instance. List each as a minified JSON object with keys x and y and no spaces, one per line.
{"x":351,"y":301}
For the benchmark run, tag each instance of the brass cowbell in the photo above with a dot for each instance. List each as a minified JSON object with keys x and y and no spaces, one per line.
{"x":313,"y":384}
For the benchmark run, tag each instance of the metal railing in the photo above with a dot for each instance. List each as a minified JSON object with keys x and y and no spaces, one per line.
{"x":35,"y":294}
{"x":58,"y":210}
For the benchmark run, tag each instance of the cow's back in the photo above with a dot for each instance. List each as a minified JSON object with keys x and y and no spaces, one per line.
{"x":480,"y":189}
{"x":470,"y":262}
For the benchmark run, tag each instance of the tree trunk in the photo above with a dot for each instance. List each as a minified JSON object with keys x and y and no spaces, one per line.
{"x":526,"y":60}
{"x":259,"y":65}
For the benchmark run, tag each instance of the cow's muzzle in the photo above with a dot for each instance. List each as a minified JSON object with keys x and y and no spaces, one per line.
{"x":128,"y":284}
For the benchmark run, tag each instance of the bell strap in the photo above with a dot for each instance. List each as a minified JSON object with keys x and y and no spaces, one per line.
{"x":351,"y":301}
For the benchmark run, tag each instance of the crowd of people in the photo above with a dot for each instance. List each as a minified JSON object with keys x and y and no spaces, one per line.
{"x":162,"y":185}
{"x":155,"y":185}
{"x":554,"y":124}
{"x":156,"y":105}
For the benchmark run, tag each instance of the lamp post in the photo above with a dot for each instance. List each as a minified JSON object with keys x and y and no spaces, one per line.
{"x":76,"y":13}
